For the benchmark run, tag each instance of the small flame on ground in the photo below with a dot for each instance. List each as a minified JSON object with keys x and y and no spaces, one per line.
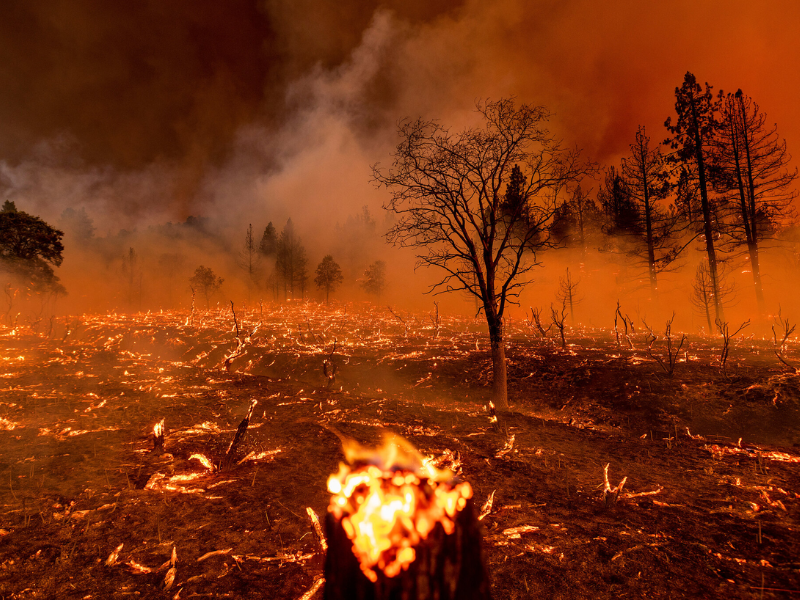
{"x":203,"y":460}
{"x":388,"y":501}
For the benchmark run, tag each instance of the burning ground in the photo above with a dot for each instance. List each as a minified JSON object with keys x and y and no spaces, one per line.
{"x":609,"y":479}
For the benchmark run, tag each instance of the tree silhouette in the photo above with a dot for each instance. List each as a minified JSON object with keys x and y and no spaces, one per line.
{"x":29,"y":249}
{"x":645,"y":176}
{"x":750,"y":171}
{"x":291,"y":262}
{"x":206,"y":282}
{"x":375,"y":278}
{"x":448,"y":192}
{"x":329,"y":276}
{"x":249,"y":260}
{"x":692,"y":138}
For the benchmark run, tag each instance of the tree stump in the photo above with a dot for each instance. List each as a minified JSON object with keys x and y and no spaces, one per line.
{"x":446,"y":567}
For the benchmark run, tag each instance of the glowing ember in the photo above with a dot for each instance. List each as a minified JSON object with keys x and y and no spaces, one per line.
{"x":388,"y":502}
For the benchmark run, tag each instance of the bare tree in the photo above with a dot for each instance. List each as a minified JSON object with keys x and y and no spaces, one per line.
{"x":567,"y":293}
{"x":447,"y":190}
{"x":750,"y":168}
{"x":627,"y":324}
{"x":779,"y":348}
{"x":249,"y":260}
{"x":667,"y":362}
{"x":704,"y":296}
{"x":724,"y":331}
{"x":536,"y":319}
{"x":558,"y":317}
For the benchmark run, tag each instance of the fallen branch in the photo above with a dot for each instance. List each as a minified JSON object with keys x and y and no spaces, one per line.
{"x":610,"y":495}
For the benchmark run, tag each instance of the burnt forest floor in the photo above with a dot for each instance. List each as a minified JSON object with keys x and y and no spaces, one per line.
{"x":710,"y":507}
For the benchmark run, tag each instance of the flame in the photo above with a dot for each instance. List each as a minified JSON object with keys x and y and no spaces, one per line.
{"x":388,"y":501}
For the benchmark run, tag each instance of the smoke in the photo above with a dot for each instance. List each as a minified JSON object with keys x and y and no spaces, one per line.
{"x":249,"y":112}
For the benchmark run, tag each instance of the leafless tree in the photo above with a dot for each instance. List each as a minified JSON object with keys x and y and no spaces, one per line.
{"x":627,"y":325}
{"x":667,"y":362}
{"x":567,"y":293}
{"x":779,"y":348}
{"x":724,"y":331}
{"x":536,"y":319}
{"x":704,"y":296}
{"x":249,"y":260}
{"x":448,"y":192}
{"x":751,"y":169}
{"x":558,"y":317}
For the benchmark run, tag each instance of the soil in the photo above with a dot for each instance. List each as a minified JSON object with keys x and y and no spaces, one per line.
{"x":91,"y":508}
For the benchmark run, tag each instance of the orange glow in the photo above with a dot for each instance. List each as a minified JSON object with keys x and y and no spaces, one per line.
{"x":388,"y":502}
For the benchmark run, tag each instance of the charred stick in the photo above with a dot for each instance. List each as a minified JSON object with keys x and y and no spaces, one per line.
{"x":240,"y":433}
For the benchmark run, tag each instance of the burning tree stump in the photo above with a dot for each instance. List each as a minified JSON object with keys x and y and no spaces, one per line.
{"x":446,"y":567}
{"x":398,"y":531}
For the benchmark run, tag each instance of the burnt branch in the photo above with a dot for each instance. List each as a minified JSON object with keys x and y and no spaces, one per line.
{"x":558,"y":317}
{"x":779,"y":348}
{"x":667,"y":362}
{"x":724,"y":331}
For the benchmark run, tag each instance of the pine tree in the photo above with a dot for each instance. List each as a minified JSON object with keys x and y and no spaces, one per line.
{"x":329,"y":276}
{"x":374,"y":281}
{"x":693,"y":135}
{"x":291,"y":262}
{"x":750,"y":171}
{"x":645,"y":176}
{"x":249,"y":260}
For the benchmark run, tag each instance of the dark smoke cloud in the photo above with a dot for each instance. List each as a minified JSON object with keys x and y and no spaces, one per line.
{"x":247,"y":110}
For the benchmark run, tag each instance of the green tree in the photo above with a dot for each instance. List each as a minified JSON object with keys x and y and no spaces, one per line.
{"x":29,"y":249}
{"x":329,"y":276}
{"x":374,"y":281}
{"x":448,"y":192}
{"x":206,"y":282}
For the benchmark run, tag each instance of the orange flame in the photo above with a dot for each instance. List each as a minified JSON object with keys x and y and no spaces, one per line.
{"x":388,"y":502}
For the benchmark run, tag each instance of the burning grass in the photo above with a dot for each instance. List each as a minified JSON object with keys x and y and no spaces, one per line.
{"x":118,"y":454}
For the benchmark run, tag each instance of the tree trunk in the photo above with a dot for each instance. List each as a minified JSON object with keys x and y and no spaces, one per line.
{"x":446,"y":567}
{"x":499,"y":378}
{"x":707,"y":230}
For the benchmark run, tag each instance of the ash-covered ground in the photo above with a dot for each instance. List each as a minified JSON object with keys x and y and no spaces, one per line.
{"x":88,"y":509}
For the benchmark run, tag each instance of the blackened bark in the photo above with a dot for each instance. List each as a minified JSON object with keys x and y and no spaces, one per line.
{"x":446,"y":567}
{"x":707,"y":230}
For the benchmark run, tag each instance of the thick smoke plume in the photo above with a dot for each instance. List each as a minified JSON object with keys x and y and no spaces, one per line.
{"x":249,"y":112}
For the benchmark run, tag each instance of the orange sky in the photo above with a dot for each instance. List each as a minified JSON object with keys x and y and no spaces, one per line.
{"x":164,"y":108}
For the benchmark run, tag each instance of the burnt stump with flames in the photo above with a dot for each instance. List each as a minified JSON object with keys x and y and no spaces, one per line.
{"x":398,"y":529}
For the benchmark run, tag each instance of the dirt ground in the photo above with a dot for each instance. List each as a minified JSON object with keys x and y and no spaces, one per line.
{"x":710,"y":507}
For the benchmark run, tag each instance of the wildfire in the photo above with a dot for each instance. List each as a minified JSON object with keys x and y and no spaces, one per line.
{"x":388,"y":502}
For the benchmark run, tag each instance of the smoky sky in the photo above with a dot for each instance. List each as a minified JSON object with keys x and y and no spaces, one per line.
{"x":178,"y":106}
{"x":129,"y":83}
